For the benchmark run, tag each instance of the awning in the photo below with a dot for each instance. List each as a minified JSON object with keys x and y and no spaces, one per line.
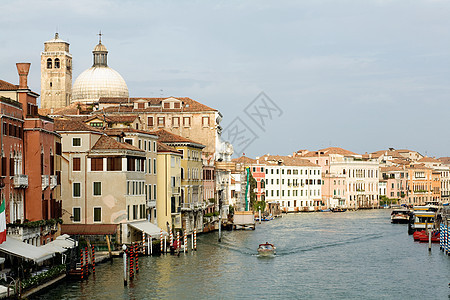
{"x":88,"y":229}
{"x":147,"y":227}
{"x":18,"y":248}
{"x":65,"y":241}
{"x":53,"y":248}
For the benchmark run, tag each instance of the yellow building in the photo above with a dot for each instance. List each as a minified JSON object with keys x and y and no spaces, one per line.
{"x":168,"y":167}
{"x":191,"y":203}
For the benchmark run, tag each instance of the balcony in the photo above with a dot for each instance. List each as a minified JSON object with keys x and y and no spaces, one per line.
{"x":53,"y":181}
{"x":176,"y":190}
{"x":45,"y":181}
{"x":187,"y":206}
{"x":20,"y":181}
{"x":151,"y":203}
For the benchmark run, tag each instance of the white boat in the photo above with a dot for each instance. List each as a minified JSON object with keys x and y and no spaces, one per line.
{"x":266,"y":249}
{"x":400,"y":215}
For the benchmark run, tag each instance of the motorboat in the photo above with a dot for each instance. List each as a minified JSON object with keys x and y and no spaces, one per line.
{"x":338,"y":209}
{"x":266,"y":249}
{"x":400,"y":215}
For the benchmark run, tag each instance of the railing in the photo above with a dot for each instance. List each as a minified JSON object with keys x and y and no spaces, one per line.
{"x":24,"y":232}
{"x":45,"y":181}
{"x":187,"y":206}
{"x":20,"y":181}
{"x":53,"y":181}
{"x":151,"y":203}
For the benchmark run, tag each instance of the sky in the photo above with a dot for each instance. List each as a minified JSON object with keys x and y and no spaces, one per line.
{"x":361,"y":75}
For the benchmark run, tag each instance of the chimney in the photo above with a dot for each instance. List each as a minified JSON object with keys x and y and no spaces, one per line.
{"x":23,"y":69}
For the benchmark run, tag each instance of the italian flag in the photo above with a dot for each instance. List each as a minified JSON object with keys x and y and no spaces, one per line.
{"x":2,"y":223}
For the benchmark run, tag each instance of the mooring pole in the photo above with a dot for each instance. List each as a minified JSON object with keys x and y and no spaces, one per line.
{"x":124,"y":248}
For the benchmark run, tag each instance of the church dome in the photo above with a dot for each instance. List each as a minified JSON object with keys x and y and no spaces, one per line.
{"x":99,"y":80}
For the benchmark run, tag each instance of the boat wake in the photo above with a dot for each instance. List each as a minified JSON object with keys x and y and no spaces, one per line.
{"x":313,"y":247}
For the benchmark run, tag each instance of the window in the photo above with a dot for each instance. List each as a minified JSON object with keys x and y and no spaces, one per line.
{"x":149,"y":166}
{"x":96,"y":124}
{"x":76,"y":187}
{"x":205,"y":121}
{"x":154,"y":146}
{"x":141,"y":105}
{"x":176,"y":105}
{"x":135,"y":212}
{"x":150,"y":121}
{"x":154,"y":166}
{"x":154,"y":192}
{"x":49,"y":63}
{"x":128,"y":141}
{"x":57,"y":63}
{"x":97,"y":164}
{"x":114,"y":164}
{"x":76,"y":213}
{"x":97,"y":214}
{"x":97,"y":188}
{"x":76,"y":164}
{"x":166,"y":104}
{"x":150,"y":192}
{"x":161,"y":122}
{"x":76,"y":142}
{"x":176,"y":121}
{"x":186,"y":121}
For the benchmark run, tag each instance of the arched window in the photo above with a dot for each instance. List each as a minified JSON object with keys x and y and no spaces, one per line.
{"x":56,"y":63}
{"x":263,"y":184}
{"x":49,"y":63}
{"x":182,"y":173}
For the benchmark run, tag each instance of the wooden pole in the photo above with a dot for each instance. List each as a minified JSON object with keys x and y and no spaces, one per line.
{"x":109,"y":246}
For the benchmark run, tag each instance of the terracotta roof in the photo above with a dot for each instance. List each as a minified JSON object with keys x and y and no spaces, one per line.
{"x":73,"y":125}
{"x":166,"y":148}
{"x":328,"y":151}
{"x":88,"y":229}
{"x":445,"y":160}
{"x":400,"y":161}
{"x":189,"y":105}
{"x":72,"y":109}
{"x":286,"y":161}
{"x":108,"y":143}
{"x":419,"y":166}
{"x":168,"y":137}
{"x":393,"y":153}
{"x":119,"y":131}
{"x":390,"y":169}
{"x":6,"y":86}
{"x":427,"y":159}
{"x":244,"y":160}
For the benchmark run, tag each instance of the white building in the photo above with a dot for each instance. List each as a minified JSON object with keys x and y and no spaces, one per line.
{"x":293,"y":182}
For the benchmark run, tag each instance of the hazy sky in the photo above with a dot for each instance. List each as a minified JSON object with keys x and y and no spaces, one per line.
{"x":362,"y":75}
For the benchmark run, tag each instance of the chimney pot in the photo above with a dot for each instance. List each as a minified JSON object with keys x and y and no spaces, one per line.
{"x":23,"y":69}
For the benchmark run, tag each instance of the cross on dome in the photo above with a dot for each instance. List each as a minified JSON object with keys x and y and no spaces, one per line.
{"x":100,"y":37}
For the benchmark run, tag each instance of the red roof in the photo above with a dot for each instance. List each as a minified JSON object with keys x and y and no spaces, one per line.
{"x":168,"y":137}
{"x":107,"y":143}
{"x":6,"y":86}
{"x":88,"y":229}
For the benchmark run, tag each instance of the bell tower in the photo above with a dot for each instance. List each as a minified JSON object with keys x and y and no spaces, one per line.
{"x":56,"y":74}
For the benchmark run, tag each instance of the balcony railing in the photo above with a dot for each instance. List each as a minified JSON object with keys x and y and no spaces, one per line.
{"x":45,"y":181}
{"x":187,"y":206}
{"x":53,"y":181}
{"x":151,"y":203}
{"x":176,"y":190}
{"x":20,"y":181}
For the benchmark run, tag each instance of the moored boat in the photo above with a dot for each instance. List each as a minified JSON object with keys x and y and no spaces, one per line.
{"x":338,"y":209}
{"x":400,"y":216}
{"x":266,"y":249}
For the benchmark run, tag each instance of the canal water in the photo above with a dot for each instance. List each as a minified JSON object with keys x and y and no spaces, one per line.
{"x":358,"y":255}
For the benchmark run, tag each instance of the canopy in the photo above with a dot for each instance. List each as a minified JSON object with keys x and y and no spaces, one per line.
{"x":18,"y":248}
{"x":65,"y":241}
{"x":89,"y":229}
{"x":53,"y":248}
{"x":147,"y":227}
